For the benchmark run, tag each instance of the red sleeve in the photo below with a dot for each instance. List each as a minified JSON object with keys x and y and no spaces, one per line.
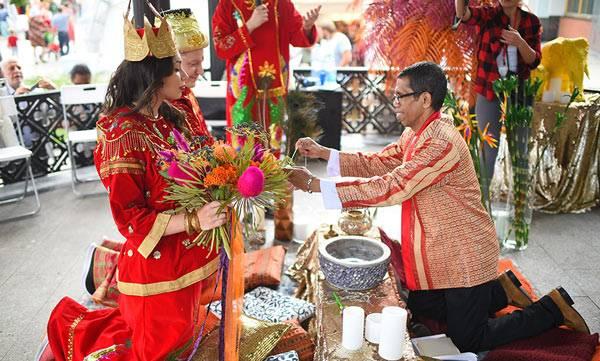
{"x":481,"y":14}
{"x":367,"y":165}
{"x":123,"y":173}
{"x":230,"y":40}
{"x":295,"y":25}
{"x":433,"y":160}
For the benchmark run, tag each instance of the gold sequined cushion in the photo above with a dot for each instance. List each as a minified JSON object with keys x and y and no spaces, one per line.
{"x":258,"y":340}
{"x":296,"y":339}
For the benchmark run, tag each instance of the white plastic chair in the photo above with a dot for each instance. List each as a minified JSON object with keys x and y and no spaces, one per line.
{"x":80,"y":95}
{"x":8,"y":109}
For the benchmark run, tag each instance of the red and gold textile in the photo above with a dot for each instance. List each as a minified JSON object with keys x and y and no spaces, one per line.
{"x":257,"y":63}
{"x":448,"y":239}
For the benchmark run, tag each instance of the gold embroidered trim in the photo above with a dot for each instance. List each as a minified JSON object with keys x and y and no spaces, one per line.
{"x":243,"y":36}
{"x":123,"y":165}
{"x":122,"y":146}
{"x":72,"y":337}
{"x":149,"y":289}
{"x":97,"y":355}
{"x":275,"y":92}
{"x":155,"y":234}
{"x":251,"y":63}
{"x":279,"y":57}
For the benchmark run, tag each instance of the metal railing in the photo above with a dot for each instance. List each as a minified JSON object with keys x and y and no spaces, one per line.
{"x":41,"y":122}
{"x":366,"y":106}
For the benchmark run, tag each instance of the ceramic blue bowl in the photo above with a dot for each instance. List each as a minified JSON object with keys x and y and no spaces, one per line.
{"x":353,"y":263}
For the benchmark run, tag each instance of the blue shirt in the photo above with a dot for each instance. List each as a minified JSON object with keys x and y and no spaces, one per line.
{"x":3,"y":14}
{"x":61,"y":22}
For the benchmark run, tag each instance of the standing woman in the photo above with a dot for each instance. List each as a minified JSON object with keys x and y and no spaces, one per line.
{"x":159,"y":275}
{"x":510,"y":42}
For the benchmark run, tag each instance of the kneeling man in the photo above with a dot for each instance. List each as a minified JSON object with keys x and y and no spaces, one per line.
{"x":449,"y":247}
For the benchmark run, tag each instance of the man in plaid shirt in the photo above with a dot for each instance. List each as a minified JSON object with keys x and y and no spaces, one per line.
{"x":505,"y":30}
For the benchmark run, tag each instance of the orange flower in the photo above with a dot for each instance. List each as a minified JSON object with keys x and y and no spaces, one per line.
{"x":488,"y":138}
{"x":466,"y":127}
{"x":223,"y":152}
{"x":268,"y":156}
{"x":198,"y":162}
{"x":225,"y":174}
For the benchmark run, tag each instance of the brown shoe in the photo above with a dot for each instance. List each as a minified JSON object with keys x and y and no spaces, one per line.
{"x":564,"y":302}
{"x":514,"y":293}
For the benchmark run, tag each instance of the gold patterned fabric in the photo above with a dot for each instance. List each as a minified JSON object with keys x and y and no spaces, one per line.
{"x":259,"y":338}
{"x":305,"y":269}
{"x":188,"y":36}
{"x":567,"y":179}
{"x":448,"y":238}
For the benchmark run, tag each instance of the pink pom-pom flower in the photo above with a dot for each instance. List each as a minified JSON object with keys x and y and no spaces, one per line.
{"x":178,"y":175}
{"x":252,"y":182}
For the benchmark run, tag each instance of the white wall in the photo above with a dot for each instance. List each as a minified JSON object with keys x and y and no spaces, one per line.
{"x":546,"y":8}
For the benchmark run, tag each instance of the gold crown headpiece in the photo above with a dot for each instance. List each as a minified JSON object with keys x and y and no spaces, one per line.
{"x":148,"y":41}
{"x":188,"y":36}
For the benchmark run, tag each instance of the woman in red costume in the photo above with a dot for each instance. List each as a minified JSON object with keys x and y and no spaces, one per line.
{"x":159,"y":275}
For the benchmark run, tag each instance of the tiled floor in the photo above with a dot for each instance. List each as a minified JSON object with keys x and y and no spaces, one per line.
{"x":41,"y":258}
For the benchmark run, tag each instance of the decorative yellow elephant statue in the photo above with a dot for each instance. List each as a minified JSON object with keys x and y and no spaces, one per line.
{"x":564,"y":58}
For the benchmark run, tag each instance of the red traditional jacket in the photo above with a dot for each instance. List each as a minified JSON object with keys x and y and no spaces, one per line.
{"x":128,"y":163}
{"x":194,"y":117}
{"x":252,"y":58}
{"x":448,"y":239}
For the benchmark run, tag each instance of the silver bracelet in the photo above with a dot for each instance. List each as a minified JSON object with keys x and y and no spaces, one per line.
{"x":308,"y":183}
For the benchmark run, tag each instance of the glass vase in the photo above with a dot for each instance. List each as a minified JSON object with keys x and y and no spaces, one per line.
{"x":521,"y":190}
{"x":511,"y":191}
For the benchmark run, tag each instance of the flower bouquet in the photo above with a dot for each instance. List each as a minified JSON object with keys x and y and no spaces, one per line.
{"x":243,"y":180}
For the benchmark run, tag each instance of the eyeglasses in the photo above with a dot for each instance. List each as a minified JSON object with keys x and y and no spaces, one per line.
{"x":397,"y":97}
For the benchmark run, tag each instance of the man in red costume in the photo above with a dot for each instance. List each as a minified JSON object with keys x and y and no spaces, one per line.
{"x":254,"y":36}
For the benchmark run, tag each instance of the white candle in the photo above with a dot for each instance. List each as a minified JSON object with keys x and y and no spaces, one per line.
{"x":373,"y":327}
{"x":300,"y":231}
{"x":391,"y":341}
{"x":502,"y":221}
{"x":353,"y":324}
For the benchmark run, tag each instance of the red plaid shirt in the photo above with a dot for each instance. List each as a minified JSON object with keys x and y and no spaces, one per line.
{"x":490,"y":22}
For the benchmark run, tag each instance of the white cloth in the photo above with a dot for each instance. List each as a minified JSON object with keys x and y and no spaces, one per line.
{"x":331,"y":199}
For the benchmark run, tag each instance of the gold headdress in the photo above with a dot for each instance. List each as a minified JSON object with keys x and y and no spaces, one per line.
{"x":149,"y":41}
{"x":188,"y":36}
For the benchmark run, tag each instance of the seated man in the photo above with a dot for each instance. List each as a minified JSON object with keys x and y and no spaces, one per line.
{"x":80,"y":74}
{"x":11,"y":69}
{"x":449,"y":247}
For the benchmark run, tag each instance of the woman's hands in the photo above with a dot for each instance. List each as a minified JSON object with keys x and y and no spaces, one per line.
{"x":511,"y":37}
{"x":210,"y":217}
